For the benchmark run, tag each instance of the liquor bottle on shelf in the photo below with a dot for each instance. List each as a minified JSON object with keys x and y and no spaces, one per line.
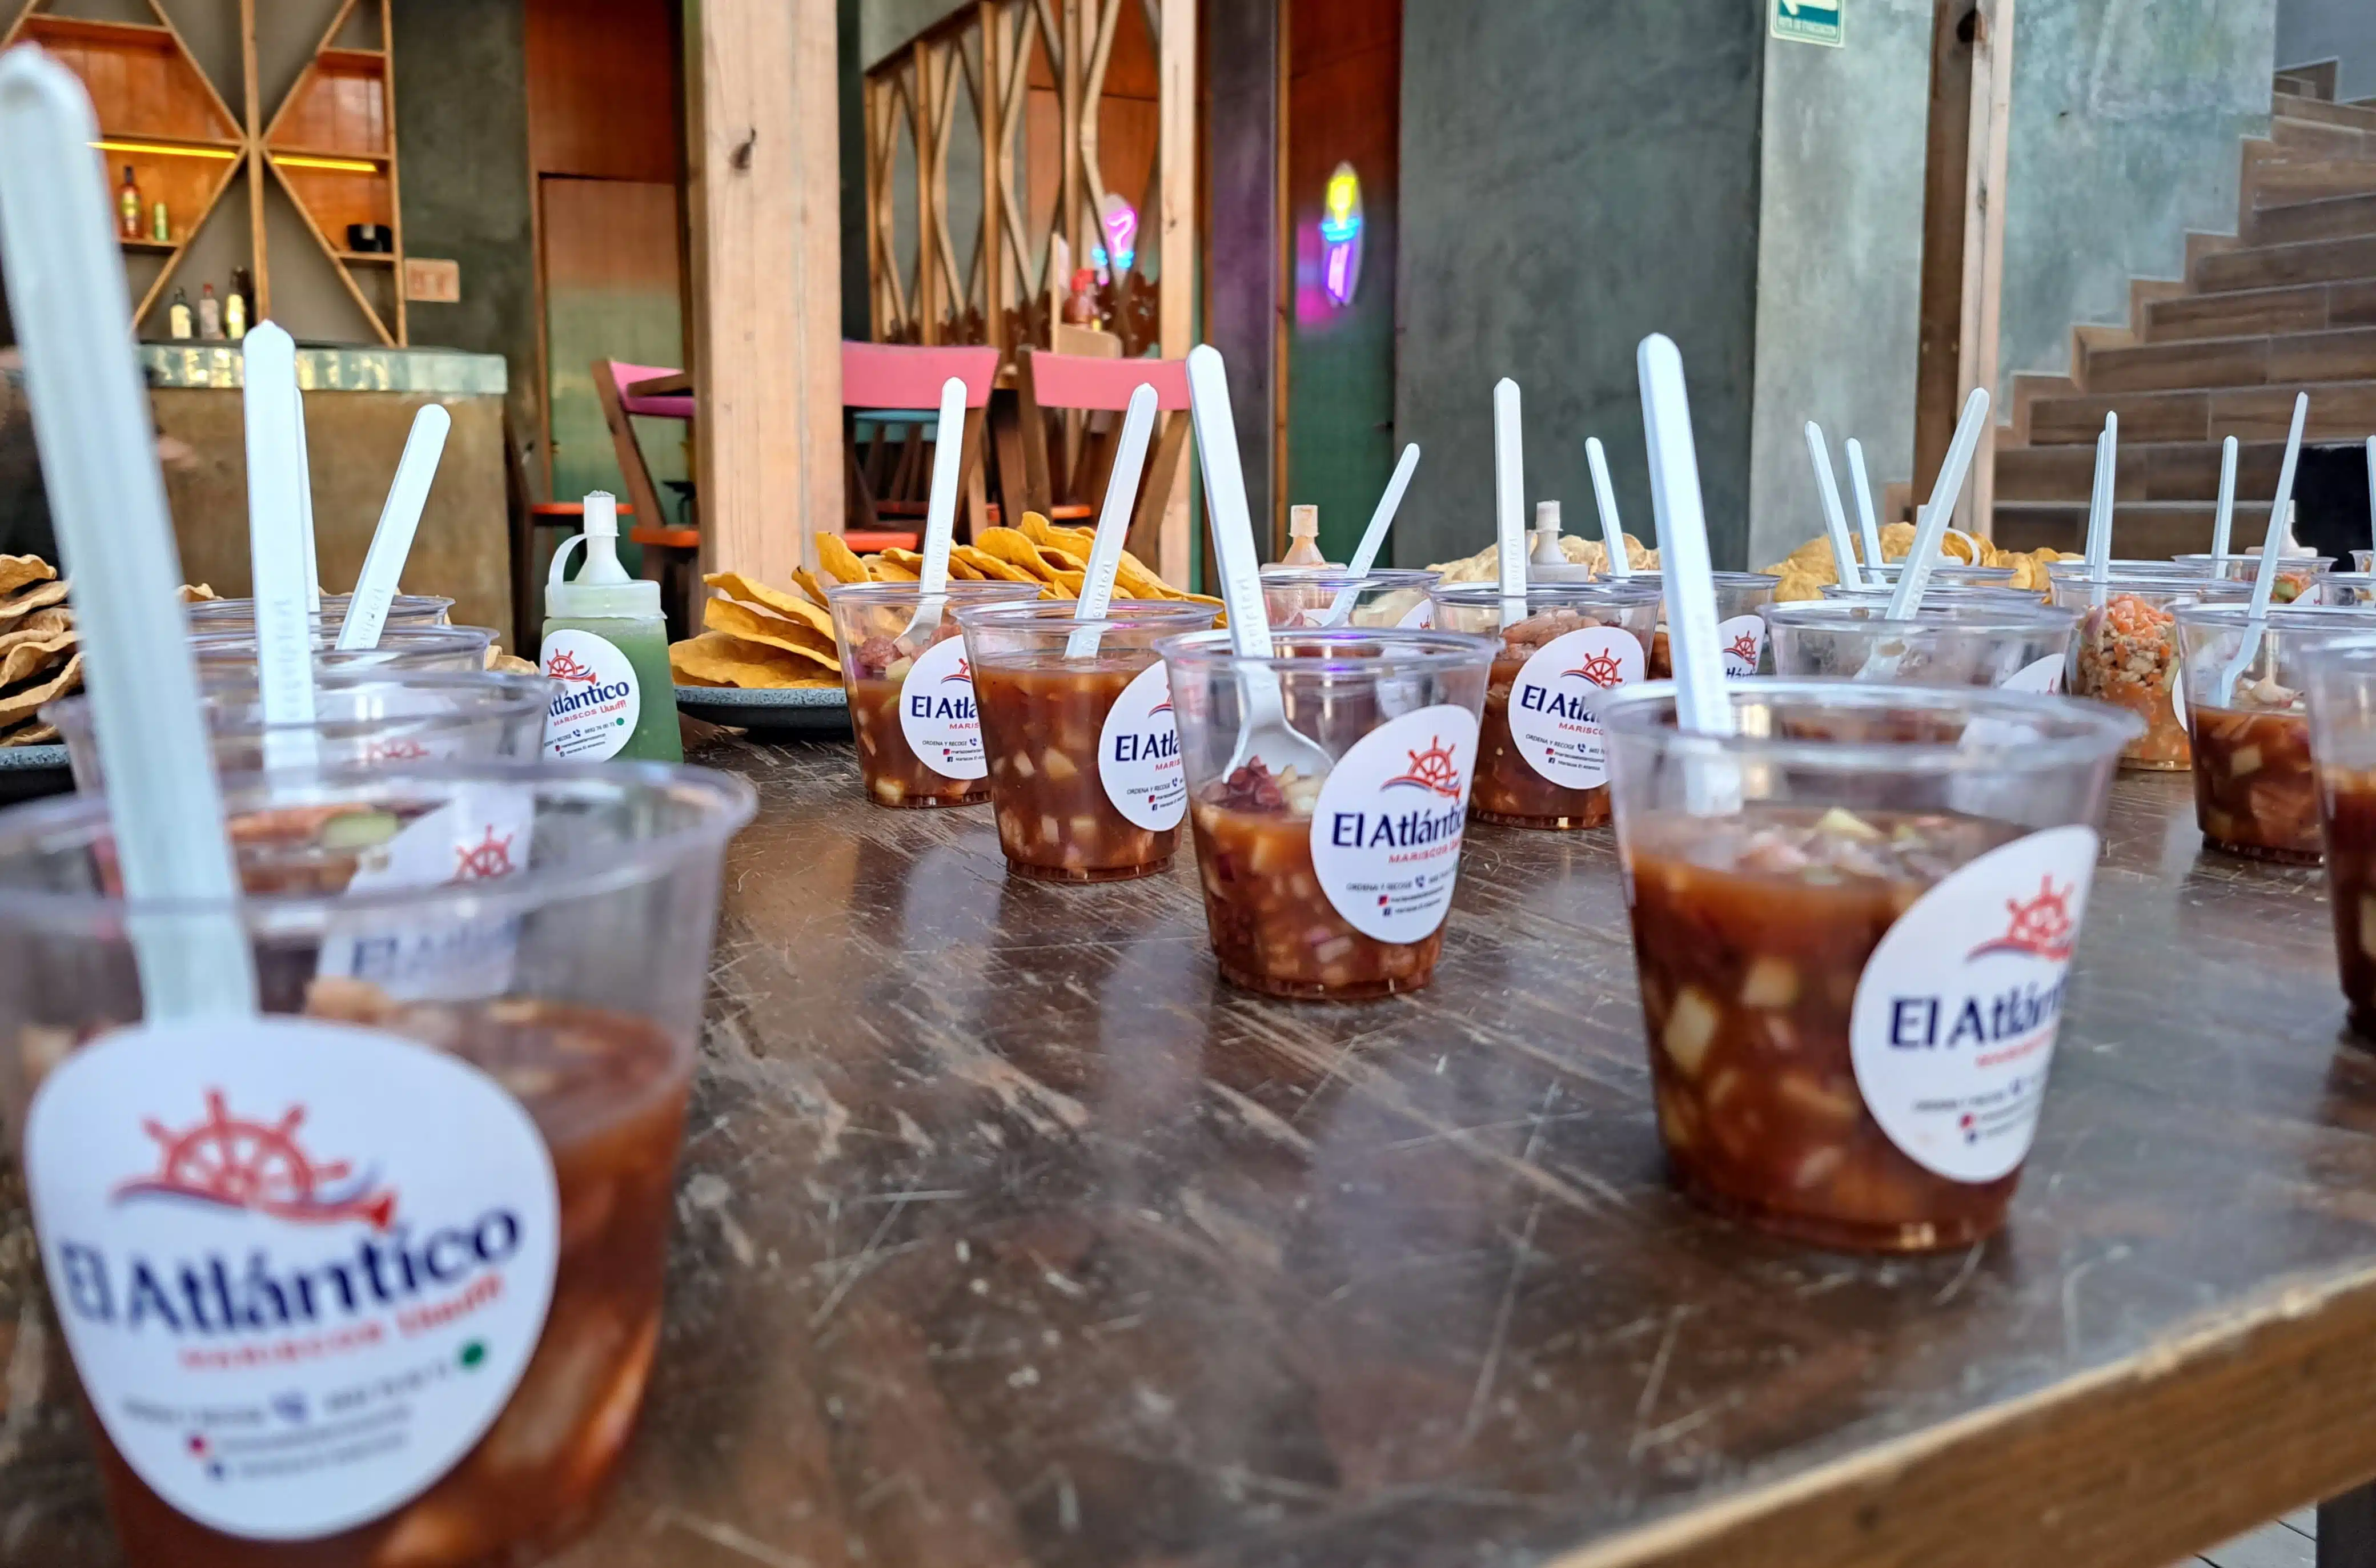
{"x":235,"y":314}
{"x":243,"y":284}
{"x":127,"y":205}
{"x":209,"y":314}
{"x":177,"y":316}
{"x":160,"y":224}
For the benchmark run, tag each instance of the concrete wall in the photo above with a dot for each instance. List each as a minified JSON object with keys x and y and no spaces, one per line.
{"x":2128,"y":117}
{"x":461,"y":110}
{"x":2344,"y":31}
{"x":1567,"y":189}
{"x":884,"y":25}
{"x":1839,"y":261}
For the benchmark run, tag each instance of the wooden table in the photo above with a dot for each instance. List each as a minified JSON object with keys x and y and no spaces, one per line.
{"x":1008,"y":1235}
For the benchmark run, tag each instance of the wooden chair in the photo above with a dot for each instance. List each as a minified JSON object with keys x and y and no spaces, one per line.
{"x":672,"y":556}
{"x":889,"y":384}
{"x":1047,"y":383}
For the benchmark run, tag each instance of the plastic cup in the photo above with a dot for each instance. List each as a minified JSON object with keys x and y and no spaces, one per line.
{"x":1947,"y":574}
{"x":1084,"y":770}
{"x":231,"y":655}
{"x":2363,"y":560}
{"x":2297,"y":575}
{"x":1303,"y":596}
{"x":362,"y":718}
{"x":239,"y":615}
{"x":1853,"y":919}
{"x":919,"y":744}
{"x":1541,"y":760}
{"x":466,"y":1091}
{"x":1937,"y":593}
{"x":1740,"y":600}
{"x":2344,"y":587}
{"x":2126,"y":652}
{"x":2255,"y":785}
{"x":1999,"y":641}
{"x":1331,"y":885}
{"x":2340,"y":681}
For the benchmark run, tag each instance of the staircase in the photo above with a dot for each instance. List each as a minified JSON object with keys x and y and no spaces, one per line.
{"x":2286,"y":304}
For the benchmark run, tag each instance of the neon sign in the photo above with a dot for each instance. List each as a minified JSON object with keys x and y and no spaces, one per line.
{"x":1117,"y":224}
{"x":1340,"y":236}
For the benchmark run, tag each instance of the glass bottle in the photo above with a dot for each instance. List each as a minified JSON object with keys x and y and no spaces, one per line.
{"x":209,"y":313}
{"x":1303,"y":538}
{"x":177,"y":316}
{"x":127,"y":205}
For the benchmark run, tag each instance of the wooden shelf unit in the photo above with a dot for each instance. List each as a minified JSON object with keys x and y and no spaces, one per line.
{"x":330,"y":145}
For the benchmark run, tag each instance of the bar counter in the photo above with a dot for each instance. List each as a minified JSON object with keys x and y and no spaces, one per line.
{"x":1008,"y":1234}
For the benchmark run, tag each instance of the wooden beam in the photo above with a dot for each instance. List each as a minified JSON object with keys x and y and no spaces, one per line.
{"x":1984,"y":244}
{"x":1938,"y":375}
{"x":1175,"y":157}
{"x":763,"y":154}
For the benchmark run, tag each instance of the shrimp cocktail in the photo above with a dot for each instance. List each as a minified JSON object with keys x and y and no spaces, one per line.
{"x":2255,"y":784}
{"x":1740,"y":602}
{"x":1996,"y":642}
{"x":911,"y":695}
{"x":2126,"y":649}
{"x":371,"y":1276}
{"x":1853,"y":919}
{"x":1542,"y":759}
{"x":1330,"y":876}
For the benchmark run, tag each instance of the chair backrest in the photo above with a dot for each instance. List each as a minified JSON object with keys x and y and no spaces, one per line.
{"x":897,"y":376}
{"x":1076,"y":381}
{"x":624,"y":375}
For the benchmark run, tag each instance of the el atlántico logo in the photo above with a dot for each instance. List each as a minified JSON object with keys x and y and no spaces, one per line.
{"x":1744,"y":647}
{"x":2040,"y":927}
{"x":1431,"y":769}
{"x":962,"y":675}
{"x":1600,"y":667}
{"x":402,"y":749}
{"x":563,"y":666}
{"x":232,"y":1162}
{"x":488,"y":856}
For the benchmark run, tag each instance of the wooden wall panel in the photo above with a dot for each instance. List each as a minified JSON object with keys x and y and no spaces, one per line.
{"x":602,"y":89}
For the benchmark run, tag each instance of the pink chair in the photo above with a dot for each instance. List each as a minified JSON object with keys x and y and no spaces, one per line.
{"x":894,"y":386}
{"x":1046,"y":382}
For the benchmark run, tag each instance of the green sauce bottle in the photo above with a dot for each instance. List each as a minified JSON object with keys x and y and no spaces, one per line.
{"x":606,"y":642}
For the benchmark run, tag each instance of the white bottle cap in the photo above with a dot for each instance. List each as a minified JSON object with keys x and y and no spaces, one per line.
{"x":1303,"y":522}
{"x":603,"y":590}
{"x":1546,"y":552}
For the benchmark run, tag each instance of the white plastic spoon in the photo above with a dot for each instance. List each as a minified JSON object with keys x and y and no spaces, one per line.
{"x":2273,"y":546}
{"x":1867,"y":525}
{"x":1944,"y":492}
{"x":1113,"y":523}
{"x":1262,"y":732}
{"x":2223,"y":521}
{"x":2099,"y":509}
{"x":1509,"y":501}
{"x":276,"y":549}
{"x":400,"y":519}
{"x":98,"y":461}
{"x":1836,"y":522}
{"x":1604,"y":498}
{"x":1711,"y":786}
{"x":940,"y":510}
{"x":1373,"y":538}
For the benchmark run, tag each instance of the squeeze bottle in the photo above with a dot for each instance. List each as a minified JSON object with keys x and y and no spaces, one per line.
{"x":606,"y":643}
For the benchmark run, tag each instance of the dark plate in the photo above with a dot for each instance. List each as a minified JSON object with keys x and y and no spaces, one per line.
{"x":30,"y":772}
{"x":799,"y":710}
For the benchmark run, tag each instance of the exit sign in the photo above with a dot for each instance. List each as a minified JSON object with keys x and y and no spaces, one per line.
{"x":1805,"y":21}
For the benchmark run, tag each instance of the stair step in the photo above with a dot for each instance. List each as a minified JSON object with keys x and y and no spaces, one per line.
{"x":2274,"y":181}
{"x":2293,"y":359}
{"x":2298,"y":135}
{"x":2277,"y":266}
{"x":2148,"y":530}
{"x":2310,"y":81}
{"x":2327,"y":218}
{"x":2320,"y":112}
{"x":2260,"y":311}
{"x":2338,"y":412}
{"x":2187,"y":470}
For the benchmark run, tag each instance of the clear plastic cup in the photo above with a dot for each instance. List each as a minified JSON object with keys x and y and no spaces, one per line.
{"x":367,"y":718}
{"x":2126,"y":652}
{"x":2255,"y":785}
{"x":2363,"y":560}
{"x":2344,"y":587}
{"x":231,"y":655}
{"x":1947,"y":573}
{"x":1330,"y":884}
{"x":919,"y":746}
{"x":1084,"y":770}
{"x":1997,"y":642}
{"x":2340,"y":682}
{"x":1541,"y":762}
{"x":1740,"y":600}
{"x":1303,"y":596}
{"x":2297,"y":575}
{"x":388,"y":1388}
{"x":1853,"y":919}
{"x":239,"y":615}
{"x":1937,"y":593}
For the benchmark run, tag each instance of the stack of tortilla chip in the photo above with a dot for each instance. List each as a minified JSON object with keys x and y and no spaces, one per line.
{"x":40,"y":660}
{"x":1809,"y":567}
{"x":1485,"y":566}
{"x":756,"y":636}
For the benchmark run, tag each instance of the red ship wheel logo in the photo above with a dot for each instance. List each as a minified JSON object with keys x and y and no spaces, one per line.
{"x":1431,"y":769}
{"x":563,"y":666}
{"x":1599,"y":667}
{"x":232,"y":1163}
{"x":1744,"y":647}
{"x":488,"y":856}
{"x":2041,"y":927}
{"x":402,"y":750}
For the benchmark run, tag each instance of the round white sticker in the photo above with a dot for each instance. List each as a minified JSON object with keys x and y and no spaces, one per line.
{"x":1139,"y":754}
{"x":483,"y":831}
{"x":300,"y":1265}
{"x":2042,"y":675}
{"x":1744,"y":641}
{"x":936,"y":712}
{"x":1554,"y":699}
{"x":1385,"y":835}
{"x":593,"y":715}
{"x":1955,"y":1015}
{"x":1420,"y":617}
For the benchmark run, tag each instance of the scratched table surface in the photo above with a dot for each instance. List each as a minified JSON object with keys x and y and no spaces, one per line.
{"x":1009,"y":1235}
